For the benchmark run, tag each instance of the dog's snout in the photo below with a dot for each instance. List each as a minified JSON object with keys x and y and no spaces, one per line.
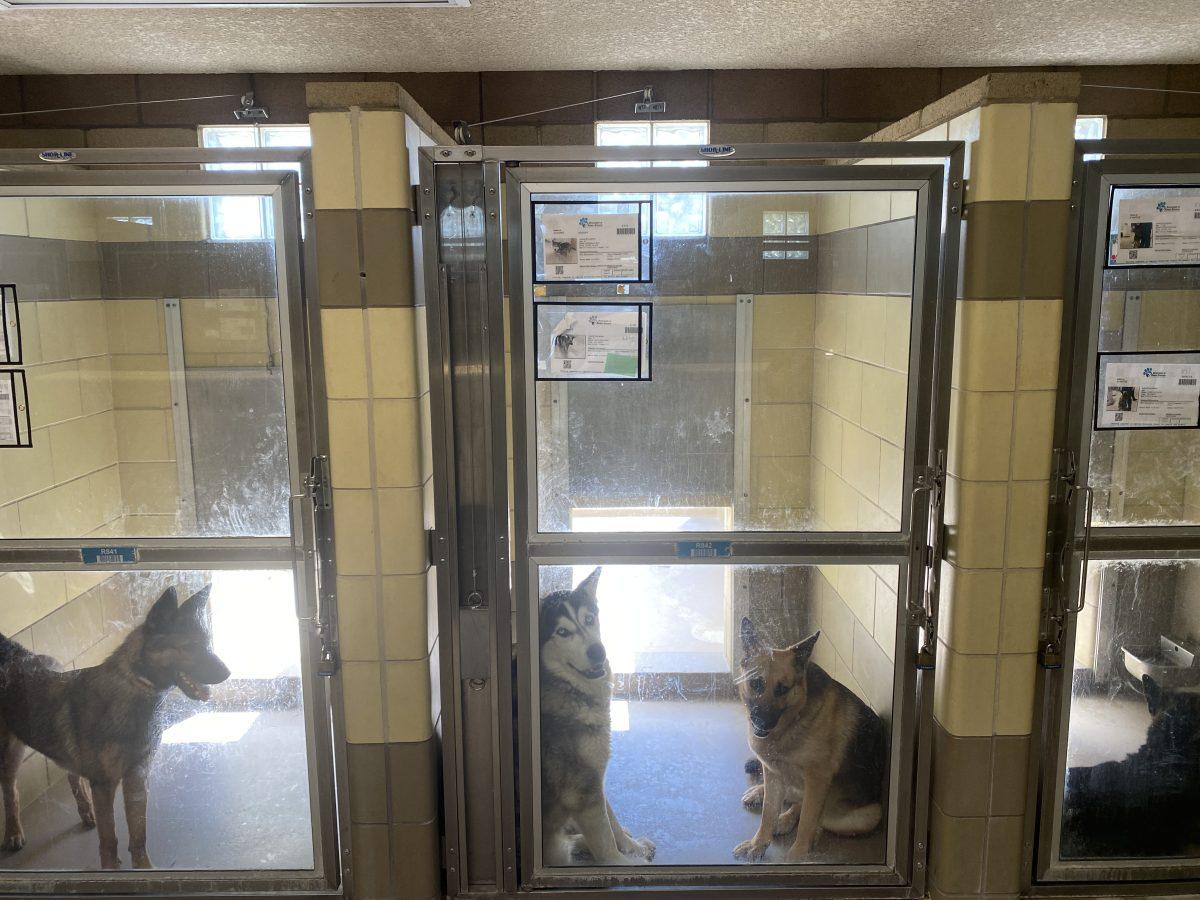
{"x":596,"y":654}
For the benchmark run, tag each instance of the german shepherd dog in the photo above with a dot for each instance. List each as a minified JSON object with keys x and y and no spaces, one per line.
{"x":821,"y":751}
{"x":578,"y":822}
{"x":1144,"y":804}
{"x":101,"y":723}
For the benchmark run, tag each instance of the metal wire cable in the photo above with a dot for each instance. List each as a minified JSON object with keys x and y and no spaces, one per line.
{"x":537,"y":112}
{"x":35,"y":112}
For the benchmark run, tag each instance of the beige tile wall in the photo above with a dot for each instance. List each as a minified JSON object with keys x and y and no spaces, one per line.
{"x":859,"y":386}
{"x":1003,"y":387}
{"x":781,"y":409}
{"x":376,"y":378}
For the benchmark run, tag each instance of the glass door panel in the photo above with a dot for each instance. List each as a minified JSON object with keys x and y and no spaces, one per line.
{"x":159,"y":697}
{"x":1119,"y":778}
{"x":771,"y":383}
{"x":707,"y":369}
{"x":155,"y":369}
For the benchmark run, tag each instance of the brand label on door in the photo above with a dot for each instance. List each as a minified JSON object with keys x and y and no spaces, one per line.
{"x":108,"y":556}
{"x":703,"y":549}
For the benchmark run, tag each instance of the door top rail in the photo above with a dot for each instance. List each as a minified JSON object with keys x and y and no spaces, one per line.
{"x":848,"y":150}
{"x":154,"y":156}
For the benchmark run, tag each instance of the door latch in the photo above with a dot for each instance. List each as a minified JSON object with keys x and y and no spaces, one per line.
{"x":317,"y":487}
{"x":1057,"y":605}
{"x":922,"y":606}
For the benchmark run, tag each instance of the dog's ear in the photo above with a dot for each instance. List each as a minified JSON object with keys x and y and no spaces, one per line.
{"x":194,"y":605}
{"x":802,"y":652}
{"x":751,"y":643}
{"x":587,"y":587}
{"x":1154,"y":694}
{"x":164,"y":610}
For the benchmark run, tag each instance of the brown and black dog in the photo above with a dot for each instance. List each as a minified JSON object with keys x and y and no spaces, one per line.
{"x":820,"y":749}
{"x":102,"y":724}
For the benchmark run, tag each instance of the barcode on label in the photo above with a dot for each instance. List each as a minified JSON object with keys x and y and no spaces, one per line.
{"x":1187,"y":380}
{"x":558,"y":270}
{"x":1196,"y":214}
{"x":628,"y":230}
{"x":634,"y":329}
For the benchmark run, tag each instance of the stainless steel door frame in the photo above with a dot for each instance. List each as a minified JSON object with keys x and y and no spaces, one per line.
{"x":308,"y":552}
{"x":1070,"y":542}
{"x":461,"y":196}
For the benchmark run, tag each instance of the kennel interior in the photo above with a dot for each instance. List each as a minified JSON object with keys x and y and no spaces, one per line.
{"x":154,"y":355}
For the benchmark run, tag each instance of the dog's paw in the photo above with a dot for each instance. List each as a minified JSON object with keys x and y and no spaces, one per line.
{"x":643,"y":848}
{"x":796,"y":855}
{"x":141,"y":860}
{"x":751,"y":850}
{"x":753,"y":798}
{"x":577,"y":852}
{"x":786,"y":823}
{"x":13,"y":842}
{"x":112,"y":863}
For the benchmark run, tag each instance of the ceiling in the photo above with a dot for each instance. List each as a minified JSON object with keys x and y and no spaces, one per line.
{"x":604,"y":34}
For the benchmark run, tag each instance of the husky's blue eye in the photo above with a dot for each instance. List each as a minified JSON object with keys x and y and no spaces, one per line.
{"x":562,"y":632}
{"x":589,"y":620}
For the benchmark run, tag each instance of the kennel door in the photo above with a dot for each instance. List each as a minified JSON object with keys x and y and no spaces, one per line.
{"x":723,"y":398}
{"x":154,"y":327}
{"x":1121,"y":732}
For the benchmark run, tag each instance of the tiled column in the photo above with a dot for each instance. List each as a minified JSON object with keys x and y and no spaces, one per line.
{"x":376,"y":382}
{"x":1003,"y":394}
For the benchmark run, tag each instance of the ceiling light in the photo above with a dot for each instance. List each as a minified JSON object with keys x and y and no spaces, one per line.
{"x":226,"y":4}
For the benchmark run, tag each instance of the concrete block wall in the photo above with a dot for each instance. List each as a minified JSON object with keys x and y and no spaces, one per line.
{"x":373,"y":332}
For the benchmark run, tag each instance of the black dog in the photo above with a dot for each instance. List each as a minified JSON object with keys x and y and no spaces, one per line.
{"x":1145,"y":804}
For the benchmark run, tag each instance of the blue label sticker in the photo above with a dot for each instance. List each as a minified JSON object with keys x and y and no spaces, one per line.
{"x":56,"y":155}
{"x":717,"y":150}
{"x":703,"y":549}
{"x":109,"y":556}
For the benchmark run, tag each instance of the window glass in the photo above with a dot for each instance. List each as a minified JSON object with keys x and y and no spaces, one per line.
{"x":246,"y":218}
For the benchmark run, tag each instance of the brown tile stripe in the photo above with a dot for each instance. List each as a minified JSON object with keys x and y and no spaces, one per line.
{"x":978,"y":776}
{"x":408,"y":771}
{"x":365,"y":257}
{"x":1014,"y":249}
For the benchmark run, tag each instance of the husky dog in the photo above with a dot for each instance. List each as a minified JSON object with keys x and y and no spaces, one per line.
{"x":101,"y":723}
{"x":1144,"y":804}
{"x":576,"y":691}
{"x":821,"y":751}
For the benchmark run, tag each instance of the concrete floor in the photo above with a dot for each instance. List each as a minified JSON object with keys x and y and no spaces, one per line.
{"x":676,"y":777}
{"x":239,"y":805}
